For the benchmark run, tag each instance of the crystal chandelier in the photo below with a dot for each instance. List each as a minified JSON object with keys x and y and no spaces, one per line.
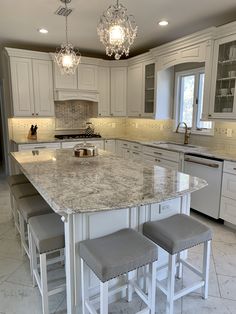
{"x":67,"y":57}
{"x":117,"y":30}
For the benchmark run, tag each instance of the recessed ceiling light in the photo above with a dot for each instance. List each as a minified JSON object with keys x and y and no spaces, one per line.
{"x":43,"y":30}
{"x":163,"y":23}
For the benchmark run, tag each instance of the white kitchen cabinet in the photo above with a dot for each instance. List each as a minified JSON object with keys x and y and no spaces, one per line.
{"x":154,"y":160}
{"x":110,"y":146}
{"x":118,"y":91}
{"x":22,"y":86}
{"x":228,"y":194}
{"x":43,"y":88}
{"x":38,"y":146}
{"x":149,"y":90}
{"x":135,"y":90}
{"x":88,"y":77}
{"x":104,"y":104}
{"x":32,"y":90}
{"x":64,"y":81}
{"x":223,"y":91}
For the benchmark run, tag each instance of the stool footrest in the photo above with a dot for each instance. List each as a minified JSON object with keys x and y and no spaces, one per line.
{"x":192,"y":268}
{"x":58,"y":289}
{"x":188,"y":290}
{"x":90,"y":307}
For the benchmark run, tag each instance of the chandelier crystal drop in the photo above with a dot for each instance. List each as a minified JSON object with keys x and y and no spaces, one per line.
{"x":117,"y":30}
{"x":67,"y":57}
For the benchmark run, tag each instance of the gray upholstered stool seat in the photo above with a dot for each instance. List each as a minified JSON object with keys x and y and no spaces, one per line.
{"x":117,"y":253}
{"x":46,"y":236}
{"x":47,"y":232}
{"x":177,"y":233}
{"x":23,"y":190}
{"x":33,"y":206}
{"x":16,"y":179}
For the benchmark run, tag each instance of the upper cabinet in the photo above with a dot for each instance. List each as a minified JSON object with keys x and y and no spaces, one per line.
{"x":87,"y":77}
{"x":118,"y":91}
{"x":135,"y":90}
{"x":223,"y":96}
{"x":22,"y":86}
{"x":31,"y":84}
{"x":104,"y":107}
{"x":141,"y":90}
{"x":149,"y":89}
{"x":63,"y":81}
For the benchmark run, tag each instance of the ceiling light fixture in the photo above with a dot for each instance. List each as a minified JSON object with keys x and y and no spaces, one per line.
{"x":67,"y":57}
{"x":163,"y":23}
{"x":117,"y":30}
{"x":43,"y":30}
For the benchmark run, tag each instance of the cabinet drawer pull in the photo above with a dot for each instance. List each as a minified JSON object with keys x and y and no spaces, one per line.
{"x":135,"y":153}
{"x":158,"y":160}
{"x":40,"y":147}
{"x":135,"y":146}
{"x":202,"y":163}
{"x":157,"y":153}
{"x":234,"y":168}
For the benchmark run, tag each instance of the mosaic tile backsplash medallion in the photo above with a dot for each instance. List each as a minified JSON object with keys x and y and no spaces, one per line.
{"x":73,"y":114}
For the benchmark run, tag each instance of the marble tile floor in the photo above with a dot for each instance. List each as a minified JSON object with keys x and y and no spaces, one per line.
{"x":17,"y":296}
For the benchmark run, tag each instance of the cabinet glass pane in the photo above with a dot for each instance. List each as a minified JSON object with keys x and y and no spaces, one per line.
{"x":149,"y":88}
{"x":226,"y":75}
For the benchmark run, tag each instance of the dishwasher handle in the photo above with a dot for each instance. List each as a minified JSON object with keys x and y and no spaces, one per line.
{"x":212,"y":165}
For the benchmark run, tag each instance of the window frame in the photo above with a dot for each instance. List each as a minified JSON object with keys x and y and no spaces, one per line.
{"x":177,"y":96}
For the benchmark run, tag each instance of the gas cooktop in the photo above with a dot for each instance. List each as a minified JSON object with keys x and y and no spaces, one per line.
{"x":76,"y":136}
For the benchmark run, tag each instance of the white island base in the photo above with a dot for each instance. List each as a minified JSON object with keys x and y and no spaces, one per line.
{"x":82,"y":226}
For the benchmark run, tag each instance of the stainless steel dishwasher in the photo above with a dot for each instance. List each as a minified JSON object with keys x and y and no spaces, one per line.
{"x":206,"y":200}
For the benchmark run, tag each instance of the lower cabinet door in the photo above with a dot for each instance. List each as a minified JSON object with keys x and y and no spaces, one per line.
{"x":228,"y":210}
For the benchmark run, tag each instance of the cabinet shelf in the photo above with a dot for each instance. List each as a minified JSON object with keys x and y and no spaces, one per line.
{"x":226,"y":78}
{"x":150,"y":77}
{"x":151,"y":88}
{"x":222,"y":96}
{"x":230,"y":61}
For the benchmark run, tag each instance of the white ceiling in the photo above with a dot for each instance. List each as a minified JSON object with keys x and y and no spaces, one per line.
{"x":20,"y":19}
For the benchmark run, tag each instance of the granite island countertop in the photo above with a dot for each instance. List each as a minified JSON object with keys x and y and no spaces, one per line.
{"x":105,"y":182}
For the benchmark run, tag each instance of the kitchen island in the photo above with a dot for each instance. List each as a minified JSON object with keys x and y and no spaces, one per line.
{"x":99,"y":195}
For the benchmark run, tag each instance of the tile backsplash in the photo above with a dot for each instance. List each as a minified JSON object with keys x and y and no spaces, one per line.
{"x":73,"y":114}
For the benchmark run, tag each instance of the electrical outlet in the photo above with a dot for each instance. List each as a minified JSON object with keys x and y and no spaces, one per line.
{"x":113,"y":125}
{"x":229,"y":132}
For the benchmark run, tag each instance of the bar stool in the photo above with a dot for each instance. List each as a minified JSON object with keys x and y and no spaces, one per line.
{"x":18,"y":192}
{"x":176,"y":234}
{"x":117,"y":254}
{"x":15,"y":180}
{"x":29,"y":207}
{"x":46,"y":235}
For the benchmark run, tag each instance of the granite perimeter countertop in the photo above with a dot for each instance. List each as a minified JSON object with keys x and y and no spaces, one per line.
{"x":167,"y":145}
{"x":105,"y":182}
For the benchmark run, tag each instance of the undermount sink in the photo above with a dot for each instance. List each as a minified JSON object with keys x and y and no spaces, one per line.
{"x":173,"y":145}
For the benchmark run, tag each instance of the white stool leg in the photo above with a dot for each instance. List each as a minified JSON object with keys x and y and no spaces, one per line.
{"x":171,"y":285}
{"x":206,"y":266}
{"x":104,"y":297}
{"x":130,"y":289}
{"x":152,"y":288}
{"x":22,"y":233}
{"x":179,"y":273}
{"x":33,"y":257}
{"x":44,"y":282}
{"x":82,"y":285}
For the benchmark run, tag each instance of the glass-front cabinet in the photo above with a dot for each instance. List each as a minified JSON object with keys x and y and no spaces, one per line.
{"x":223,"y":100}
{"x":149,"y":92}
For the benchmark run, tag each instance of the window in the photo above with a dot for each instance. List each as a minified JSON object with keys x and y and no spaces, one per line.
{"x":189,"y":88}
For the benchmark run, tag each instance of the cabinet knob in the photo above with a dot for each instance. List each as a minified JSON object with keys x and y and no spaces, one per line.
{"x":139,"y":115}
{"x":209,"y":115}
{"x":99,"y":114}
{"x":111,"y":114}
{"x":37,"y":114}
{"x":32,"y":114}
